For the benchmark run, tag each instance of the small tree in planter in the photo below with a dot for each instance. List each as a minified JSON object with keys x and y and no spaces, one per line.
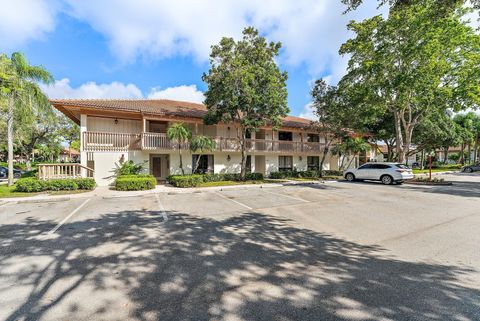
{"x":180,"y":135}
{"x":201,"y":144}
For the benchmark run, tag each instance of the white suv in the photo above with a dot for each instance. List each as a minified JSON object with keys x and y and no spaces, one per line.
{"x":387,"y":173}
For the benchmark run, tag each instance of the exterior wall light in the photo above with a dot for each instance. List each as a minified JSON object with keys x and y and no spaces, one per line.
{"x":116,"y":121}
{"x":228,"y":158}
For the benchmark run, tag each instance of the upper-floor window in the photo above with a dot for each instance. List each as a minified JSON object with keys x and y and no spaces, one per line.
{"x":285,"y":136}
{"x":313,"y":138}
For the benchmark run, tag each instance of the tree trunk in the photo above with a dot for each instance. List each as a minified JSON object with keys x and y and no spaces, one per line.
{"x":408,"y":142}
{"x":351,"y":160}
{"x":180,"y":155}
{"x":462,"y":154}
{"x":422,"y":160}
{"x":399,"y":138}
{"x":445,"y":155}
{"x":475,"y":151}
{"x":243,"y":163}
{"x":10,"y":140}
{"x":322,"y":159}
{"x":469,"y":149}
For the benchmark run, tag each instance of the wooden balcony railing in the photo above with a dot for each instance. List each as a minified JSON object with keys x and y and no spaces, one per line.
{"x":53,"y":171}
{"x":111,"y":142}
{"x":99,"y":141}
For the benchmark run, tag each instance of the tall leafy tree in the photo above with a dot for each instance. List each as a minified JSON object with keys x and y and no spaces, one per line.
{"x":446,"y":4}
{"x":245,"y":86}
{"x":69,"y":132}
{"x":20,"y":92}
{"x":180,"y":135}
{"x":333,"y":117}
{"x":413,"y":64}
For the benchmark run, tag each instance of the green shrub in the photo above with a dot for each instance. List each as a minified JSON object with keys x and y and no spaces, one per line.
{"x":34,"y":185}
{"x":30,"y":185}
{"x":135,"y":182}
{"x":277,"y":175}
{"x":85,"y":183}
{"x":332,"y":173}
{"x":185,"y":180}
{"x":129,"y":168}
{"x":213,"y":177}
{"x":65,"y":184}
{"x":254,"y":176}
{"x":32,"y":173}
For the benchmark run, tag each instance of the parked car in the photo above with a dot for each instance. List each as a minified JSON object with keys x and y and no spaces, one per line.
{"x":387,"y":173}
{"x":4,"y":172}
{"x":471,"y":168}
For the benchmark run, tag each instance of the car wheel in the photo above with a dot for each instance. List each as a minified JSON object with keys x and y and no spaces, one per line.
{"x":350,"y":177}
{"x":17,"y":175}
{"x":468,"y":170}
{"x":386,"y":179}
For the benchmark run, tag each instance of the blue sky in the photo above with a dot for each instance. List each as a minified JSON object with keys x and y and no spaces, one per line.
{"x":159,"y":48}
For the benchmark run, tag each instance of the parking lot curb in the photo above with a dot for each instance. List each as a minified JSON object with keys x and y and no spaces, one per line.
{"x":42,"y":200}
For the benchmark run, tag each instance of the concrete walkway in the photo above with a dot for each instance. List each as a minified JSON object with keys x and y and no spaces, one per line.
{"x":106,"y":192}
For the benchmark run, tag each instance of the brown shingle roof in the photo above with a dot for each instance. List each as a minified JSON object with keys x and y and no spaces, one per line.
{"x":161,"y":107}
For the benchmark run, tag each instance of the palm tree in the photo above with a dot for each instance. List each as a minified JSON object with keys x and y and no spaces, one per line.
{"x":20,"y":90}
{"x":201,"y":144}
{"x":179,"y":134}
{"x":356,"y":146}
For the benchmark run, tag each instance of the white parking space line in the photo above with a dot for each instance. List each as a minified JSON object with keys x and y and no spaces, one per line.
{"x":287,"y":196}
{"x":234,"y":201}
{"x":161,"y":208}
{"x":53,"y":230}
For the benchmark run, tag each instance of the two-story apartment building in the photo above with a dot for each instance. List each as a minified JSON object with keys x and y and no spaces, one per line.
{"x":115,"y":130}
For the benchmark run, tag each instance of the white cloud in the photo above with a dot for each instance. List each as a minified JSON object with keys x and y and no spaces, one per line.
{"x":24,"y":20}
{"x":63,"y":89}
{"x":117,"y":90}
{"x":308,"y":112}
{"x":310,"y":30}
{"x":185,"y":93}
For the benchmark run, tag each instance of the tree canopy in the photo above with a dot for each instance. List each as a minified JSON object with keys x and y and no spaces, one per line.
{"x":21,"y":93}
{"x":411,"y":65}
{"x":245,"y":85}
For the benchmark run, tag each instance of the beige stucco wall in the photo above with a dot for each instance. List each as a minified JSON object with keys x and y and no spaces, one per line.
{"x":105,"y":164}
{"x":98,"y":124}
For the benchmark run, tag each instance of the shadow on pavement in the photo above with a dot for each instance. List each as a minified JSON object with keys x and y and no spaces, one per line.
{"x":249,"y":267}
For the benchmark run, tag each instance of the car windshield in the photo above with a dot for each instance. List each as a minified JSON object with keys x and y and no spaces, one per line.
{"x":402,"y":166}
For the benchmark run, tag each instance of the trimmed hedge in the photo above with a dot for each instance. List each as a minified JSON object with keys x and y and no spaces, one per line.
{"x":67,"y":184}
{"x":30,"y":185}
{"x":186,"y":180}
{"x":85,"y":183}
{"x":304,"y":174}
{"x":197,"y":179}
{"x":135,"y":182}
{"x":34,"y":185}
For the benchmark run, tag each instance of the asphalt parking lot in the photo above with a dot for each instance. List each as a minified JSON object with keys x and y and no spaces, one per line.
{"x":334,"y":251}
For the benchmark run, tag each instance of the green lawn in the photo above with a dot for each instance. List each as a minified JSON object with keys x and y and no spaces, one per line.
{"x":9,"y":191}
{"x":434,"y":170}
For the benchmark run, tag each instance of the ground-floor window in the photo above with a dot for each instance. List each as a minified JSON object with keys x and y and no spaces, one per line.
{"x":205,"y":164}
{"x":313,"y":163}
{"x":248,"y":167}
{"x":285,"y":163}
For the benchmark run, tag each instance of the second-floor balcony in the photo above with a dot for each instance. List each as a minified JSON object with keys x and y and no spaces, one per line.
{"x":119,"y":142}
